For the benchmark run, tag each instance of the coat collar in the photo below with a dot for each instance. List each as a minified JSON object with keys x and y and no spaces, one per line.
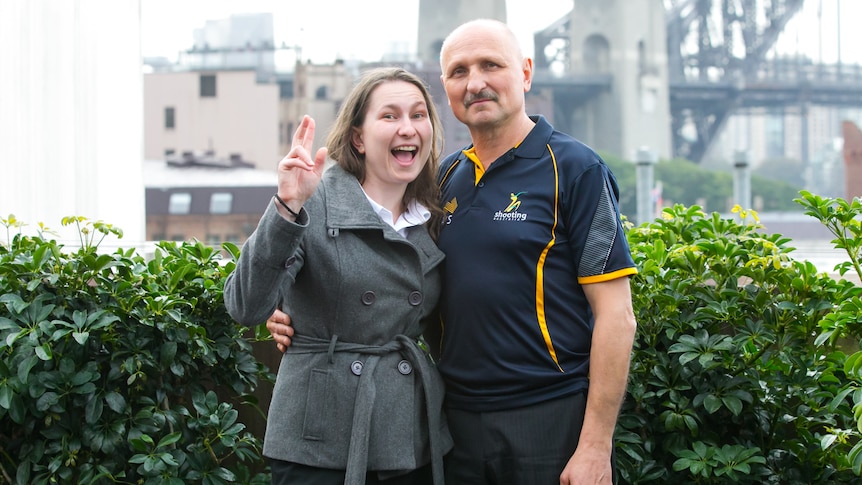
{"x":347,"y":208}
{"x":346,"y":204}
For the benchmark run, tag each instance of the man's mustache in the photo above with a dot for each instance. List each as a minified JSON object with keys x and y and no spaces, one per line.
{"x":480,"y":96}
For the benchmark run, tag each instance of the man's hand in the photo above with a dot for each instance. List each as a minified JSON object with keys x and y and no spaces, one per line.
{"x":280,"y":329}
{"x":588,"y":466}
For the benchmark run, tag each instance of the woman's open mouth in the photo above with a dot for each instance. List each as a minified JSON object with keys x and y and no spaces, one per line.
{"x":405,"y":154}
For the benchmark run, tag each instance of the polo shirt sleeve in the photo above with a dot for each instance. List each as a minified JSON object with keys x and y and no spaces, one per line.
{"x":593,"y":214}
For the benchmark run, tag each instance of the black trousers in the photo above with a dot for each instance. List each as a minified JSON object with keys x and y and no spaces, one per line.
{"x":287,"y":473}
{"x":524,"y":446}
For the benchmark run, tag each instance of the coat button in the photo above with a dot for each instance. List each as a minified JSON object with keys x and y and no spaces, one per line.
{"x":404,"y":367}
{"x":368,"y":297}
{"x":415,"y":298}
{"x":356,"y":368}
{"x":289,"y":261}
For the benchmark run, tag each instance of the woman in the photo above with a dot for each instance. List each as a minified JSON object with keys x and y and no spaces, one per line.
{"x":347,"y":254}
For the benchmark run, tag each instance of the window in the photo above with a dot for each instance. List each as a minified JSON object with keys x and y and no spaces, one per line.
{"x":169,"y":152}
{"x":321,"y":92}
{"x":180,"y":203}
{"x":169,"y":118}
{"x":285,"y":89}
{"x":208,"y":85}
{"x":596,"y":52}
{"x":213,"y":240}
{"x":221,"y":202}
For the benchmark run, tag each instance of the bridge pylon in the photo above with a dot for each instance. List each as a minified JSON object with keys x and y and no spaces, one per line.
{"x":439,"y":17}
{"x":626,"y":39}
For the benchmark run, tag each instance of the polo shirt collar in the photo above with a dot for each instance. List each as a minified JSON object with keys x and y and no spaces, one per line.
{"x":534,"y":145}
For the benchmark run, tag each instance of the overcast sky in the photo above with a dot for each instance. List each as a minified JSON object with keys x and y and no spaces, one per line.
{"x":351,"y":29}
{"x":326,"y":29}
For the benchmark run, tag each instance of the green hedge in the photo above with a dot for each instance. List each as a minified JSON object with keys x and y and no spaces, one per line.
{"x":746,"y":366}
{"x":110,"y":363}
{"x":738,"y":376}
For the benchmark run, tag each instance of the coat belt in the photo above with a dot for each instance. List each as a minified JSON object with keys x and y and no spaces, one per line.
{"x":357,"y":458}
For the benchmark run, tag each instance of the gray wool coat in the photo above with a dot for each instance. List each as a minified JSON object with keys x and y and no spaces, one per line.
{"x":354,"y":391}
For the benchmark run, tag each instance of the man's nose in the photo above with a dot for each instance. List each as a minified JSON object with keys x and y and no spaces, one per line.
{"x":475,"y":81}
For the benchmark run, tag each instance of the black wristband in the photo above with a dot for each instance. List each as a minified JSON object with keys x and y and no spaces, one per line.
{"x":284,"y":204}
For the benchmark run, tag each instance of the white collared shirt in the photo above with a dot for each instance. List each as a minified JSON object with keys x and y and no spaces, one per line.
{"x":415,"y":215}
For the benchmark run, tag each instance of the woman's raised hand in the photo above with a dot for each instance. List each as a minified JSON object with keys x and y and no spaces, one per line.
{"x":298,"y":174}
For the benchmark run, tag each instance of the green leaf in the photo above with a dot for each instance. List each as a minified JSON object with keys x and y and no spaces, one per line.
{"x":44,"y":352}
{"x":855,"y":457}
{"x":168,"y":459}
{"x":169,"y":440}
{"x":81,"y":337}
{"x":167,"y":354}
{"x":712,"y":403}
{"x":6,"y":394}
{"x":93,"y":410}
{"x":47,"y":400}
{"x":116,"y":402}
{"x":732,"y":403}
{"x":138,"y":459}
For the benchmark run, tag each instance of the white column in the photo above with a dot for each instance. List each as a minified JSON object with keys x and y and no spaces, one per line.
{"x":741,"y":180}
{"x":645,"y":172}
{"x":71,"y":114}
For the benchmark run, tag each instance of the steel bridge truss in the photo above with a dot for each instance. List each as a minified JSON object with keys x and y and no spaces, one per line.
{"x":721,"y":61}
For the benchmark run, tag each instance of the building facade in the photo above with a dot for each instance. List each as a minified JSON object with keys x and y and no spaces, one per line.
{"x":217,"y":123}
{"x":228,"y":112}
{"x":210,"y":203}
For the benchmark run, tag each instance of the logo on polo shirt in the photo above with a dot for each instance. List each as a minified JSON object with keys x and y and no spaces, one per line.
{"x":450,"y":206}
{"x":510,"y":213}
{"x":449,"y":209}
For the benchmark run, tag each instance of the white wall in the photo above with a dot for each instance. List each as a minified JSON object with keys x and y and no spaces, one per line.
{"x":71,"y":114}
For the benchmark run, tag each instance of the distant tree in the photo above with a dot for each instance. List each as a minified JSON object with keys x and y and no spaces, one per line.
{"x":624,"y":171}
{"x":786,"y":170}
{"x":776,"y":195}
{"x":685,"y":182}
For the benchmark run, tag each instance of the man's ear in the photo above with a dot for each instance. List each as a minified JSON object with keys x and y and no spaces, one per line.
{"x":444,"y":90}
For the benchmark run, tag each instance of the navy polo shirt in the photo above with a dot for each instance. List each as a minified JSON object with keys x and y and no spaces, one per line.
{"x":520,"y":240}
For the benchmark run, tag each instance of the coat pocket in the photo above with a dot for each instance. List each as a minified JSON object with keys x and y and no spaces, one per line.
{"x":316,"y":405}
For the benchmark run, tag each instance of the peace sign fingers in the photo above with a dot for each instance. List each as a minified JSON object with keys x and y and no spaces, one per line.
{"x":303,"y":139}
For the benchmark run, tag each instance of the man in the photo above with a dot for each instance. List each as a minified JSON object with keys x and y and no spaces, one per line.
{"x":536,"y":311}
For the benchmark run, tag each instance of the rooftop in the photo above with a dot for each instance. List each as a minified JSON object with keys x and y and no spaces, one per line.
{"x":163,"y":174}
